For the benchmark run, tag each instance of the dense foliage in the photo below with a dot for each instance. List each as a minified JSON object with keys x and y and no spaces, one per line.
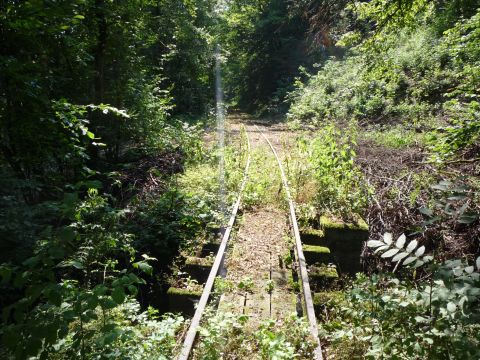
{"x":265,"y":43}
{"x":407,"y":81}
{"x":84,"y":183}
{"x":105,"y":177}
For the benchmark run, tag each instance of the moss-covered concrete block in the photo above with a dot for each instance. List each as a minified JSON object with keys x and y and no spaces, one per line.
{"x":183,"y":300}
{"x":215,"y":229}
{"x":348,"y":263}
{"x":322,"y":276}
{"x":198,"y":268}
{"x":311,"y":236}
{"x":328,"y":297}
{"x":322,"y":272}
{"x":316,"y":254}
{"x":345,"y":240}
{"x":339,"y":230}
{"x":325,"y":300}
{"x":208,"y":249}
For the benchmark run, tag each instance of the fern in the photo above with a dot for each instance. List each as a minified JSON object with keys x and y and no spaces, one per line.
{"x":411,"y":254}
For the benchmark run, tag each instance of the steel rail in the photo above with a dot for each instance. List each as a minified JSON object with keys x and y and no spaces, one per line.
{"x":307,"y":294}
{"x":217,"y":265}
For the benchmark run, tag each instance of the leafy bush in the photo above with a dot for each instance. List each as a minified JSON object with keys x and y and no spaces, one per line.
{"x":129,"y":334}
{"x":394,"y":136}
{"x":78,"y":273}
{"x":461,"y":137}
{"x":328,"y":160}
{"x":435,"y":317}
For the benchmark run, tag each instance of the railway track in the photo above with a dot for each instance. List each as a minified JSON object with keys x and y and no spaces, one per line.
{"x":218,"y":265}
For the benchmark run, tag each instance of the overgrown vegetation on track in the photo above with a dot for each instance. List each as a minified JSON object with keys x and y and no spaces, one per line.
{"x":108,"y":184}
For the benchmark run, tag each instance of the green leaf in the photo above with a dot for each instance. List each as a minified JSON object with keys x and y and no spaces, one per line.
{"x":421,"y":320}
{"x":90,"y":315}
{"x":375,"y":243}
{"x":79,"y":17}
{"x":410,"y":260}
{"x":135,"y":279}
{"x":110,"y":336}
{"x":144,"y":266}
{"x":133,"y":289}
{"x":426,"y":211}
{"x":401,"y":241}
{"x":420,"y":251}
{"x":381,"y":248}
{"x":390,"y":253}
{"x":72,"y":263}
{"x":118,"y":295}
{"x":400,"y":256}
{"x":108,"y":303}
{"x":428,"y":340}
{"x":100,"y":290}
{"x":467,"y":218}
{"x":69,"y":315}
{"x":451,"y":307}
{"x":92,"y":302}
{"x":146,"y":257}
{"x":412,"y":245}
{"x":387,"y":238}
{"x":418,"y":263}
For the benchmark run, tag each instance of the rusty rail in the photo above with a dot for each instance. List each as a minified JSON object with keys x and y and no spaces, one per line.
{"x":217,"y":265}
{"x":307,"y":294}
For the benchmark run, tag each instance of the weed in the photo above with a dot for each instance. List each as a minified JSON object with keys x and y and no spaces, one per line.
{"x":326,"y":164}
{"x":270,"y":286}
{"x":246,"y":284}
{"x":288,"y":259}
{"x":225,"y":335}
{"x":223,"y":285}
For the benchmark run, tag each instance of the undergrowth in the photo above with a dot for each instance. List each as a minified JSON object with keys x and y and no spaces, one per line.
{"x":229,"y":336}
{"x":264,"y":185}
{"x":323,"y":174}
{"x":407,"y":316}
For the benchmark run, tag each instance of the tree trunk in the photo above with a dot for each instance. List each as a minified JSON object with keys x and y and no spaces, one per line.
{"x":99,"y":52}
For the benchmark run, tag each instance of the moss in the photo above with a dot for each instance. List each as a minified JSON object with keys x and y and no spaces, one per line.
{"x":314,"y":254}
{"x":344,"y":237}
{"x":183,"y":300}
{"x":198,"y":268}
{"x":312,"y":236}
{"x":328,"y":297}
{"x":323,"y":272}
{"x":199,"y":261}
{"x":312,"y":232}
{"x":316,"y":249}
{"x":322,"y":277}
{"x":174,"y":291}
{"x":328,"y":223}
